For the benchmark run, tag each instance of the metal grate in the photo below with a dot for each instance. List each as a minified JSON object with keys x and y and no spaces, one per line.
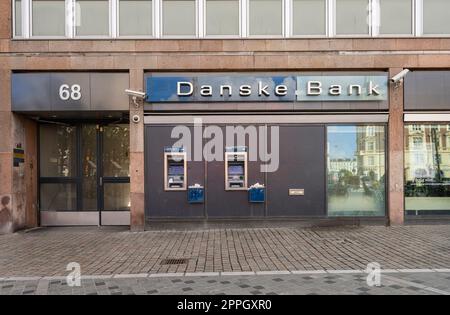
{"x":175,"y":261}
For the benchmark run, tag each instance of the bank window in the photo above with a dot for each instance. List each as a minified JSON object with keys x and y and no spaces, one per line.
{"x":352,"y":17}
{"x":18,"y":18}
{"x":396,"y":17}
{"x":357,"y":188}
{"x":265,"y":17}
{"x":309,"y":17}
{"x":222,"y":17}
{"x":179,"y":17}
{"x":48,"y":17}
{"x":92,"y":17}
{"x":436,"y":17}
{"x":135,"y":17}
{"x":427,"y":180}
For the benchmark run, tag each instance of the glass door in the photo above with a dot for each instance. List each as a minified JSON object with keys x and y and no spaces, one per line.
{"x":114,"y":182}
{"x":84,"y":174}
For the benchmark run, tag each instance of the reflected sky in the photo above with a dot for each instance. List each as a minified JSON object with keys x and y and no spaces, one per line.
{"x":342,"y":142}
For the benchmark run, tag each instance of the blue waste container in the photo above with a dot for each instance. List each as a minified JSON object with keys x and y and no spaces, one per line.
{"x":196,"y":194}
{"x":257,"y":194}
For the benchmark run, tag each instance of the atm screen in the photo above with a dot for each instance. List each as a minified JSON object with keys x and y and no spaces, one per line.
{"x":176,"y":170}
{"x":236,"y":170}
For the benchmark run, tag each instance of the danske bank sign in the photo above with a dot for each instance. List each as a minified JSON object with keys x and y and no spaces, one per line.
{"x":240,"y":88}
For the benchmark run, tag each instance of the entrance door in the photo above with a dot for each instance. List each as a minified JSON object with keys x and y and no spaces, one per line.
{"x":92,"y":186}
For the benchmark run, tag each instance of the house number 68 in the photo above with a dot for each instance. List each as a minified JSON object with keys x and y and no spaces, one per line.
{"x":67,"y":92}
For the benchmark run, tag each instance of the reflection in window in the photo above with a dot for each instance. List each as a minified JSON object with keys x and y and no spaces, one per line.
{"x":58,"y":197}
{"x":356,"y":175}
{"x":116,"y":148}
{"x":309,"y":17}
{"x":57,"y":151}
{"x":117,"y":197}
{"x":352,"y":17}
{"x":49,"y":17}
{"x":436,"y":17}
{"x":135,"y":17}
{"x":18,"y":17}
{"x":395,"y":17}
{"x":179,"y":17}
{"x":427,"y":170}
{"x":222,"y":17}
{"x":266,"y":17}
{"x":92,"y":17}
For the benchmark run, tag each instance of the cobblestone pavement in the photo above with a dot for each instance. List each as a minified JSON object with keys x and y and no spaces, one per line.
{"x":46,"y":252}
{"x":306,"y":284}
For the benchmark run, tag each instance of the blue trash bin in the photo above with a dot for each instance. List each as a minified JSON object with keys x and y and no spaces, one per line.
{"x":196,"y":194}
{"x":257,"y":194}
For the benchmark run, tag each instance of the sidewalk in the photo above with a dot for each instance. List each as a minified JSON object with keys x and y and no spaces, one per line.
{"x":46,"y":252}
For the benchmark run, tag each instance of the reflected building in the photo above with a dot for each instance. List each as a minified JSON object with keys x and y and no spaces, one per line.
{"x":427,"y":152}
{"x":370,"y":152}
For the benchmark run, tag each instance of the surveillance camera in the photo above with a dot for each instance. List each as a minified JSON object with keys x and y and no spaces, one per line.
{"x":136,"y":119}
{"x":136,"y":94}
{"x":400,"y":76}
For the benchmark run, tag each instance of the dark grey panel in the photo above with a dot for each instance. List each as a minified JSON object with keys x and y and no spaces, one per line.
{"x":34,"y":92}
{"x":302,"y":166}
{"x":30,"y":92}
{"x":427,"y":90}
{"x":108,"y":91}
{"x":222,"y":203}
{"x":160,"y":203}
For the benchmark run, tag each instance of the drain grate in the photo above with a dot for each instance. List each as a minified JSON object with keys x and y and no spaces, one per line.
{"x":175,"y":261}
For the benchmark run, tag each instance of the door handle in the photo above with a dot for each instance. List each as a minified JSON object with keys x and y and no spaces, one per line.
{"x":101,"y":182}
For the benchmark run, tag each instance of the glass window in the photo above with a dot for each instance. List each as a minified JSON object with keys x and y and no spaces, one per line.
{"x":417,"y":142}
{"x":92,"y":17}
{"x":309,"y":17}
{"x":352,"y":17}
{"x":49,"y":17}
{"x":395,"y":16}
{"x":427,"y":172}
{"x":135,"y":17}
{"x":436,"y":17}
{"x":18,"y":17}
{"x":116,"y":151}
{"x":179,"y":17}
{"x":222,"y":17}
{"x":89,"y":167}
{"x":356,"y":177}
{"x":117,"y":197}
{"x":57,"y":151}
{"x":58,"y":197}
{"x":266,"y":17}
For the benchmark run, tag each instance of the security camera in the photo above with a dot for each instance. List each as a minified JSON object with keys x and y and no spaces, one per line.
{"x":136,"y":119}
{"x":400,"y":76}
{"x":135,"y":94}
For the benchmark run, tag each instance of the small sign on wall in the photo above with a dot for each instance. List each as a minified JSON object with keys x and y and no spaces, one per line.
{"x":18,"y":155}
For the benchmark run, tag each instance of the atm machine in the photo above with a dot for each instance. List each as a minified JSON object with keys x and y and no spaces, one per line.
{"x":236,"y":163}
{"x":175,"y":169}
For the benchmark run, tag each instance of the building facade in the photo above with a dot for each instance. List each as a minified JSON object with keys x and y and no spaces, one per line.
{"x":326,"y":134}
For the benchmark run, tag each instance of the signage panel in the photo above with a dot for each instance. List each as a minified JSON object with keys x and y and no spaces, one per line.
{"x":69,"y":91}
{"x":277,"y":88}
